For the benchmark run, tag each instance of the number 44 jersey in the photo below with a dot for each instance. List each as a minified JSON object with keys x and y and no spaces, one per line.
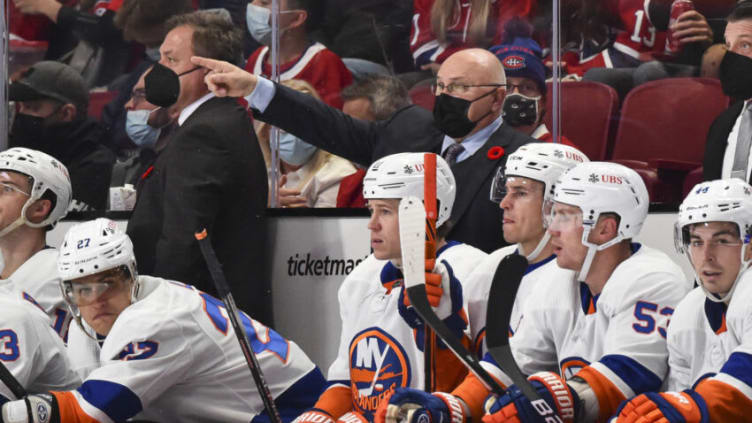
{"x":172,"y":356}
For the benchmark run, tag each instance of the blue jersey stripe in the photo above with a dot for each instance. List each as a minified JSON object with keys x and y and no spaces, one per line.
{"x":634,"y":374}
{"x":739,"y":365}
{"x":301,"y":396}
{"x":114,"y":399}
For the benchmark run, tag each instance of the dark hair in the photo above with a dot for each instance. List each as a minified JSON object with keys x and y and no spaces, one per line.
{"x":742,"y":10}
{"x":214,"y":36}
{"x":386,"y":94}
{"x":143,"y":21}
{"x":313,"y":8}
{"x":443,"y":231}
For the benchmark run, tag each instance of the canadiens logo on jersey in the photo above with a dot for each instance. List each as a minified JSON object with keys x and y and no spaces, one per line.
{"x":378,"y":365}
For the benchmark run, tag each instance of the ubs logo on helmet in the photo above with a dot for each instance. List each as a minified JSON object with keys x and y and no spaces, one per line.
{"x":514,"y":62}
{"x":378,"y":365}
{"x":608,"y":179}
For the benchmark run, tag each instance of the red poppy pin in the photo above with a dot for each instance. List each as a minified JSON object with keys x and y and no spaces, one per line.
{"x":495,"y":152}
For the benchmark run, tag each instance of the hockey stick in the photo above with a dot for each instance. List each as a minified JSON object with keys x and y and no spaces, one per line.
{"x":11,"y":382}
{"x":429,"y":203}
{"x":412,"y":240}
{"x":501,"y":298}
{"x":215,"y":269}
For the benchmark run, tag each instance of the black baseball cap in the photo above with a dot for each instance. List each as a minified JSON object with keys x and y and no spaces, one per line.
{"x":49,"y":79}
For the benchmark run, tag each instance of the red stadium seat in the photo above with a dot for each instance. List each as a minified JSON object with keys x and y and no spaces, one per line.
{"x":587,"y":110}
{"x":663,"y":128}
{"x":421,"y":95}
{"x":693,"y":178}
{"x":97,"y":101}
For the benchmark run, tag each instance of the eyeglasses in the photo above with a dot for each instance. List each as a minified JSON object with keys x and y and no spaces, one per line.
{"x":8,"y":189}
{"x":83,"y":294}
{"x":525,"y":88}
{"x":438,"y":87}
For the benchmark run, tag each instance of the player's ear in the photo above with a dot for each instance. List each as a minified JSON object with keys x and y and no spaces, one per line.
{"x":607,"y":227}
{"x":747,"y":251}
{"x":38,"y":210}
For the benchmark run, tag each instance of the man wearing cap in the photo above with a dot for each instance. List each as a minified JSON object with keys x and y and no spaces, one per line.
{"x":52,"y":101}
{"x":525,"y":103}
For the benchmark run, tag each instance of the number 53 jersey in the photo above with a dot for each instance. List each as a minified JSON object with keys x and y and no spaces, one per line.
{"x":173,"y":356}
{"x":615,"y":341}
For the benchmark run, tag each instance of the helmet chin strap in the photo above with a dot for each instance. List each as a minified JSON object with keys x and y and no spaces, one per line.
{"x":13,"y":225}
{"x":726,"y":298}
{"x":582,"y":274}
{"x":538,"y":248}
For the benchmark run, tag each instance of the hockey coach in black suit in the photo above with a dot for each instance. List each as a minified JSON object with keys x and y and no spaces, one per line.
{"x":466,"y":129}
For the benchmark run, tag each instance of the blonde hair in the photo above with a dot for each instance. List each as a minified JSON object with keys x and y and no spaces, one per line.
{"x":443,"y":12}
{"x":320,"y":157}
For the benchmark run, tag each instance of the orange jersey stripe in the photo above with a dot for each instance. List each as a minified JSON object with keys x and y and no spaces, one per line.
{"x":609,"y":396}
{"x":70,"y":410}
{"x":725,"y":402}
{"x":336,"y":401}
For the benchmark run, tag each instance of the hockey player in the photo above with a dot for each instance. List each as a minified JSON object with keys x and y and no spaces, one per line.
{"x":709,"y":339}
{"x":158,"y":349}
{"x":31,"y":350}
{"x":520,"y":189}
{"x":378,"y":349}
{"x":598,"y":317}
{"x":35,"y":194}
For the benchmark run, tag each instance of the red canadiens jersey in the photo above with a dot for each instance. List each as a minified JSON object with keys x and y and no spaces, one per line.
{"x":318,"y":66}
{"x":636,"y":40}
{"x":423,"y":42}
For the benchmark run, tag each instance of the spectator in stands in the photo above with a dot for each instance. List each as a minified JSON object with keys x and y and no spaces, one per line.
{"x":310,"y":175}
{"x":148,"y":127}
{"x":210,"y":175}
{"x":52,"y":102}
{"x":525,"y":103}
{"x":466,"y":128}
{"x":442,"y":27}
{"x":372,"y":98}
{"x":727,"y":151}
{"x":86,"y":30}
{"x":635,"y":47}
{"x":142,"y":21}
{"x":299,"y":57}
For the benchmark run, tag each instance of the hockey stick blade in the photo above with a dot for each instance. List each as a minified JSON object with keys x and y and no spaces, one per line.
{"x":218,"y":276}
{"x":11,"y":382}
{"x":501,"y":298}
{"x":412,"y":236}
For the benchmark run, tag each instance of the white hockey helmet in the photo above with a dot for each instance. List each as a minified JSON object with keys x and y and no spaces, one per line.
{"x":47,"y":174}
{"x":601,"y":187}
{"x":722,"y":200}
{"x":401,"y":175}
{"x":93,"y":247}
{"x":539,"y":161}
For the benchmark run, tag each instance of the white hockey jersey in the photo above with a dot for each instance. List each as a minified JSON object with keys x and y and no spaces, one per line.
{"x":479,"y":284}
{"x":616,"y":340}
{"x":38,"y":280}
{"x":31,"y":350}
{"x":377,"y":352}
{"x":173,"y":356}
{"x":709,"y":342}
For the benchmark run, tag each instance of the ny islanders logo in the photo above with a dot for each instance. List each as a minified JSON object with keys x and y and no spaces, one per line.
{"x":378,"y":365}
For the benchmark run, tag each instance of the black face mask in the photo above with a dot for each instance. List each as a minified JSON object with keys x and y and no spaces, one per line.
{"x":162,"y":85}
{"x":520,"y":110}
{"x":450,"y":115}
{"x":33,"y":132}
{"x":736,"y":76}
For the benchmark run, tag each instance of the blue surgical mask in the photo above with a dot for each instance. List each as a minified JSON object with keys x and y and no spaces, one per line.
{"x":293,"y":150}
{"x":257,"y":19}
{"x":139,"y":131}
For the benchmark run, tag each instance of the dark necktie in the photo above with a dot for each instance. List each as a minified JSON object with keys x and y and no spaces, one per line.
{"x":452,"y":152}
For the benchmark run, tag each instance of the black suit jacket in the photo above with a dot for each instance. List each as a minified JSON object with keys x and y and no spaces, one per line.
{"x":717,"y":141}
{"x":477,"y":221}
{"x":210,"y":175}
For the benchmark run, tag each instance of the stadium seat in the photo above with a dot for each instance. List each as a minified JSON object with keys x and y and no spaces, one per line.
{"x":693,"y":178}
{"x":662,"y":131}
{"x":587,"y":110}
{"x":97,"y":101}
{"x":421,"y":95}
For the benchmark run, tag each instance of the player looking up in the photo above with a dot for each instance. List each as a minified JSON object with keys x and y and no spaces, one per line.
{"x":158,"y":349}
{"x":709,"y":339}
{"x":598,"y":318}
{"x":35,"y":192}
{"x":381,"y":339}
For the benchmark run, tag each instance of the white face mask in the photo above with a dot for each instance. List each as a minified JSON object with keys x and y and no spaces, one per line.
{"x":138,"y":130}
{"x":258,"y":20}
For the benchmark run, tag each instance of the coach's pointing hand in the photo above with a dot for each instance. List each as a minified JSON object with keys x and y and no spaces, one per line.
{"x":225,"y":79}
